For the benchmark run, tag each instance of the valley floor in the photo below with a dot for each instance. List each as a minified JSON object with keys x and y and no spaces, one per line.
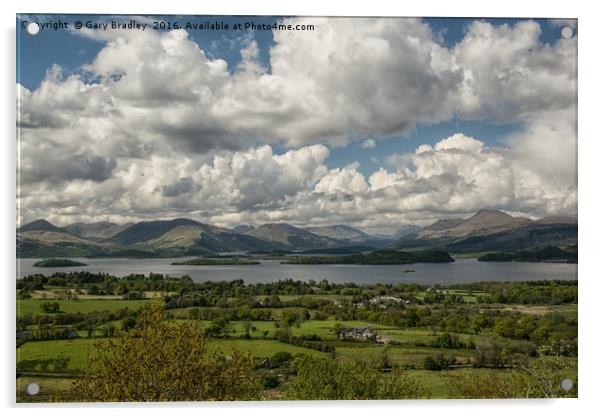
{"x":431,"y":336}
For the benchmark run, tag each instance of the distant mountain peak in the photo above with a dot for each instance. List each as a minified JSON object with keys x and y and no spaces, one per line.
{"x":493,"y":218}
{"x":242,"y":228}
{"x":405,"y":230}
{"x":279,"y":226}
{"x":445,"y":224}
{"x":339,"y":232}
{"x":484,"y":221}
{"x":491,"y":213}
{"x":95,"y":230}
{"x":40,"y":225}
{"x":183,"y":221}
{"x":148,"y":230}
{"x":97,"y":223}
{"x":291,"y":236}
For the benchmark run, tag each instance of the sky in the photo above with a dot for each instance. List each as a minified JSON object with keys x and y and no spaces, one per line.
{"x":371,"y":122}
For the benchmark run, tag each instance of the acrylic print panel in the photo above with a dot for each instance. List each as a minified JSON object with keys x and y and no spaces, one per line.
{"x":291,"y":208}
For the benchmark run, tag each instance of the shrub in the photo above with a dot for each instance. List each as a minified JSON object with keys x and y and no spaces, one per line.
{"x":163,"y":362}
{"x":329,"y":379}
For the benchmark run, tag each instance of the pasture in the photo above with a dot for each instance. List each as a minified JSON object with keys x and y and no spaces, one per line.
{"x":34,"y":306}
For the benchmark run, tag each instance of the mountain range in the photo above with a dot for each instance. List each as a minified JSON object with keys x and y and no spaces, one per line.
{"x":493,"y":230}
{"x":96,"y":231}
{"x":486,"y":230}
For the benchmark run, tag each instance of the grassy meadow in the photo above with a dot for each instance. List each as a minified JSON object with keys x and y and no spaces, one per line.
{"x":437,"y":336}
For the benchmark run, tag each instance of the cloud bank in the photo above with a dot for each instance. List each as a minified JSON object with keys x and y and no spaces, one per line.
{"x":157,"y":128}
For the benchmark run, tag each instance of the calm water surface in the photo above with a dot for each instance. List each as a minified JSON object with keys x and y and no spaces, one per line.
{"x":462,"y":271}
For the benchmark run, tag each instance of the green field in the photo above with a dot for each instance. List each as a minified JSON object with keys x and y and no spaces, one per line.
{"x":262,"y":348}
{"x":439,"y":381}
{"x":406,"y":353}
{"x":58,"y":388}
{"x":324,"y":329}
{"x":406,"y":356}
{"x":410,"y":336}
{"x":33,"y":306}
{"x":535,"y":309}
{"x":434,"y":339}
{"x":78,"y":349}
{"x":468,"y":297}
{"x":287,"y":298}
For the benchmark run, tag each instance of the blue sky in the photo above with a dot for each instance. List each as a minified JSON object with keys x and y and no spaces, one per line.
{"x":38,"y":53}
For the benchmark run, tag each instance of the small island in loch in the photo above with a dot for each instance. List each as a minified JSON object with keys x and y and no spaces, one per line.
{"x":544,"y":254}
{"x":58,"y":263}
{"x":379,"y":257}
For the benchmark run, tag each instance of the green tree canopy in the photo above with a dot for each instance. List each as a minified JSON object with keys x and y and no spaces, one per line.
{"x":328,"y":379}
{"x":159,"y":361}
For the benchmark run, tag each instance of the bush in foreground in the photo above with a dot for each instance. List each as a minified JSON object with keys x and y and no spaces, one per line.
{"x":328,"y":379}
{"x":541,"y":378}
{"x":165,"y":362}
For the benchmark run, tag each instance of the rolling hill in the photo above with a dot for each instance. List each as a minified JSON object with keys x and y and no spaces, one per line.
{"x":487,"y":222}
{"x":405,"y":230}
{"x":39,"y":225}
{"x":144,"y":239}
{"x":185,"y":236}
{"x":487,"y":230}
{"x":557,"y":219}
{"x":350,"y":236}
{"x":493,"y":230}
{"x":242,"y":228}
{"x":290,"y":237}
{"x":42,"y":239}
{"x":339,"y":232}
{"x":95,"y":231}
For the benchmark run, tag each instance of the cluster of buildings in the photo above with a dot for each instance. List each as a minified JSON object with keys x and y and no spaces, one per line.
{"x":359,"y":334}
{"x":438,"y":291}
{"x":383,"y":300}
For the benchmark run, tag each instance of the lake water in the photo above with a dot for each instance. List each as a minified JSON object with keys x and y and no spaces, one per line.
{"x":461,"y":271}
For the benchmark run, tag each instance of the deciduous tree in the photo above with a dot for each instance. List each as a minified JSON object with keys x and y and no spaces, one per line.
{"x":160,"y":361}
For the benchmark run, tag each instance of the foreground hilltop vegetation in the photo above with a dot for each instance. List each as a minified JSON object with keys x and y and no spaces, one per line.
{"x":298,"y":339}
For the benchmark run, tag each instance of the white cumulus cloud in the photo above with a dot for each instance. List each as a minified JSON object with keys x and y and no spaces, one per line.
{"x":157,"y":127}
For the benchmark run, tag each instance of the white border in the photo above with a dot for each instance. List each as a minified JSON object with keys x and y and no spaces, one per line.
{"x":589,"y":195}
